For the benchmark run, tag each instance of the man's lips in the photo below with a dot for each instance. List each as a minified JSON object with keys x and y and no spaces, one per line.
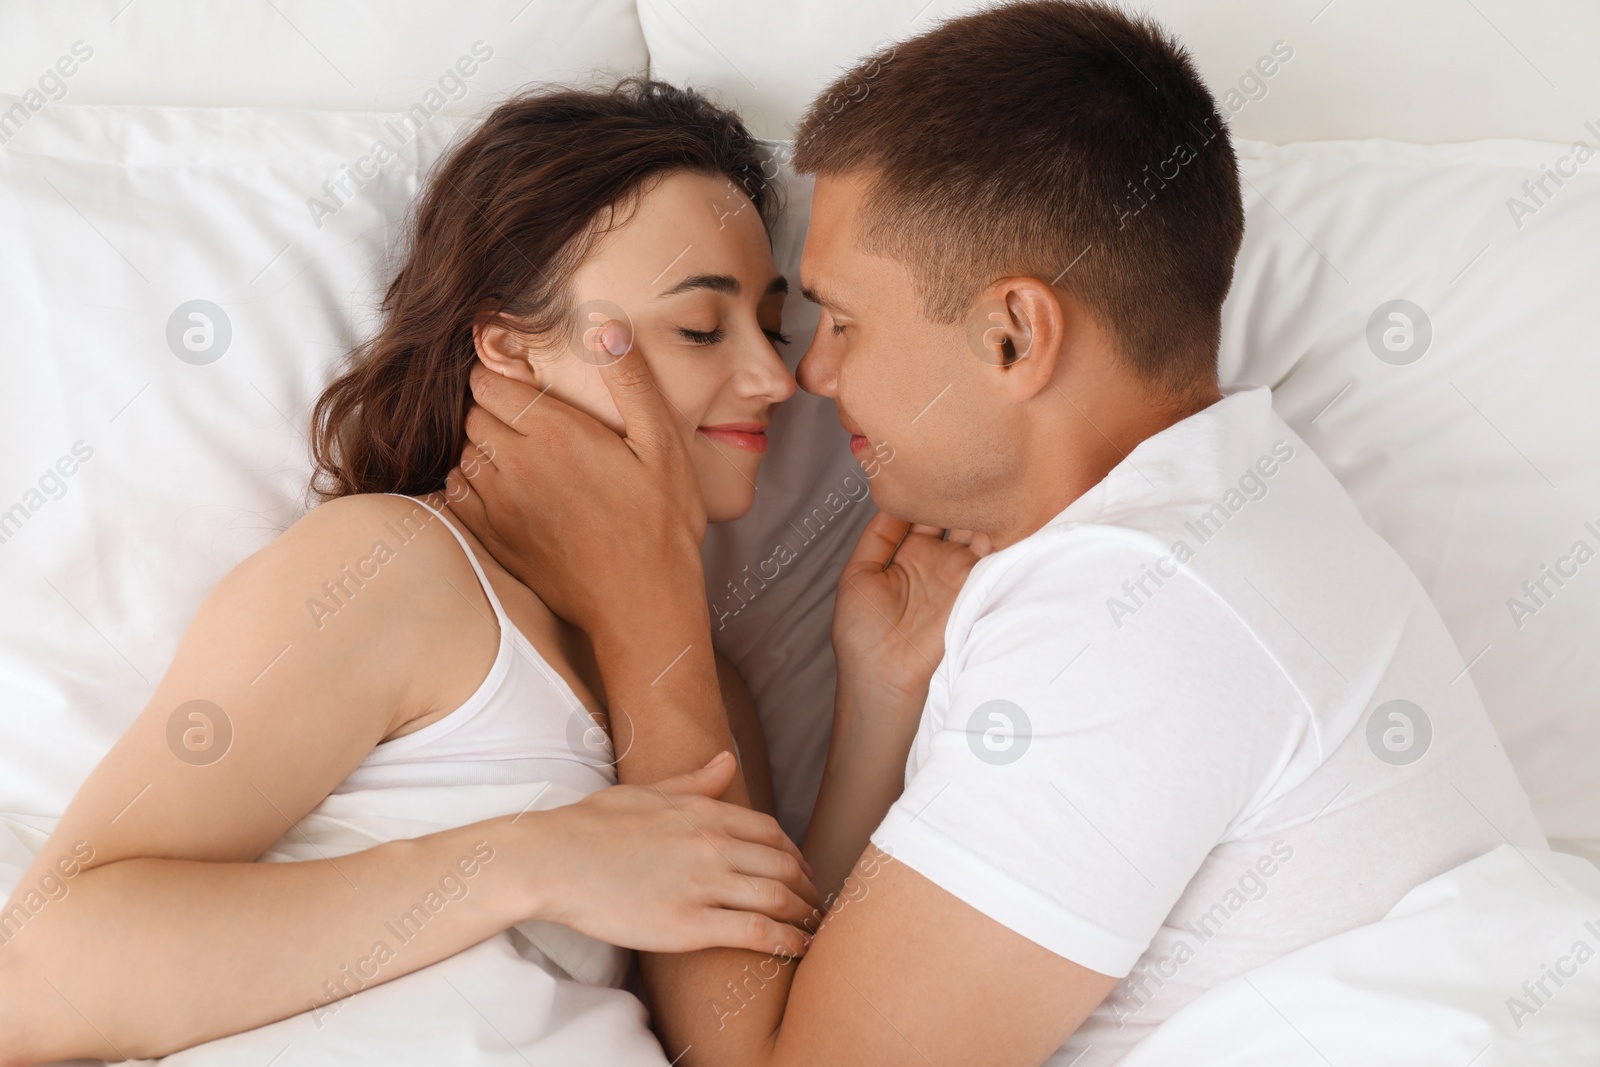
{"x":858,"y":440}
{"x":750,"y":436}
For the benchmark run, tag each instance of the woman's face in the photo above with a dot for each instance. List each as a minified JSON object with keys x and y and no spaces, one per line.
{"x":691,"y":273}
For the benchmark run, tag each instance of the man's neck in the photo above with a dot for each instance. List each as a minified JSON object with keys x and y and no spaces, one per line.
{"x":1074,"y":453}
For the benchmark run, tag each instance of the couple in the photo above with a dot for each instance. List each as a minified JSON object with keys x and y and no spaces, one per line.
{"x":1117,"y":661}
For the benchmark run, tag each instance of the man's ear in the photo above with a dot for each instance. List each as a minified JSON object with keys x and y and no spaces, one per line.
{"x":503,"y":350}
{"x":1018,"y":327}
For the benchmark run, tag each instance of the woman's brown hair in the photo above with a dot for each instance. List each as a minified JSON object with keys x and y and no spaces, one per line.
{"x":505,"y":220}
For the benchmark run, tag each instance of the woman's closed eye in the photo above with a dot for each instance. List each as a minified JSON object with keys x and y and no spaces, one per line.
{"x":702,"y":337}
{"x":711,"y":337}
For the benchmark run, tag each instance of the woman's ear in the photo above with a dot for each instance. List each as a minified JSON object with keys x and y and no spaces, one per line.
{"x":503,"y":350}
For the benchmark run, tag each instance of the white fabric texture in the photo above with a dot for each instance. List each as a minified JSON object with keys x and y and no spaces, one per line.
{"x":537,"y":993}
{"x":1492,"y":964}
{"x":1454,"y":65}
{"x":377,"y":56}
{"x":1204,"y":717}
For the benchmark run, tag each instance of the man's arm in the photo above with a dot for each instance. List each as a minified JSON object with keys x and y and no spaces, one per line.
{"x":901,"y":971}
{"x":894,"y":599}
{"x":905,"y":973}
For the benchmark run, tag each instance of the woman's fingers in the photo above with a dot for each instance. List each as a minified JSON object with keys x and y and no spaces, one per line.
{"x":710,"y":781}
{"x":763,"y":896}
{"x":753,"y":931}
{"x":779,"y":868}
{"x":755,"y":827}
{"x":754,"y":844}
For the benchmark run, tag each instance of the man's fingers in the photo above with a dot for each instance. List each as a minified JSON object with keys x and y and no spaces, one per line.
{"x":647,"y":420}
{"x":505,"y":398}
{"x":881,"y":536}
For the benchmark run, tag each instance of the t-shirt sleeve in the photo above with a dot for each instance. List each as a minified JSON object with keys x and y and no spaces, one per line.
{"x":1098,"y":740}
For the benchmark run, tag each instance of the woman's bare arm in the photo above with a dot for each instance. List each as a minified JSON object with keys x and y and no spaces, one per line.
{"x":167,"y":934}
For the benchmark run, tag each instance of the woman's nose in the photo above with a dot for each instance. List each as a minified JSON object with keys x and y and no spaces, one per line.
{"x":767,"y":376}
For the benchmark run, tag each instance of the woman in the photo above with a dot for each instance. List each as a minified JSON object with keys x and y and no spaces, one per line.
{"x":377,"y":646}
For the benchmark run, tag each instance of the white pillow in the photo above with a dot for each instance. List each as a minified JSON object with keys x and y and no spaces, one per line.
{"x":134,"y":473}
{"x":371,"y":55}
{"x":1455,"y":65}
{"x":1475,"y":460}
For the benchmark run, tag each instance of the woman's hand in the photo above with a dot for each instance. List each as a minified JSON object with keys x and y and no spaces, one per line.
{"x":668,"y":868}
{"x":894,"y":599}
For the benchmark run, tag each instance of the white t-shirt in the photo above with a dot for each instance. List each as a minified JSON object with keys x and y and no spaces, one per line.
{"x":1203,"y":717}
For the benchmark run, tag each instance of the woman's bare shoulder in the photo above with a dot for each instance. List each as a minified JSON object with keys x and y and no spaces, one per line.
{"x":374,"y":558}
{"x":363,"y":534}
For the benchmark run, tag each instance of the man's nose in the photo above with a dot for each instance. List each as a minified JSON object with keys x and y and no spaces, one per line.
{"x":817,"y":373}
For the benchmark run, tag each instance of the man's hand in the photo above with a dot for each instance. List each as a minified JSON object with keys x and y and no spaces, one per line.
{"x":593,"y":523}
{"x":895,"y":595}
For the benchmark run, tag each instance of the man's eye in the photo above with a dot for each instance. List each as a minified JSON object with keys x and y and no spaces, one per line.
{"x":837,"y":329}
{"x":702,"y":337}
{"x":776,"y":338}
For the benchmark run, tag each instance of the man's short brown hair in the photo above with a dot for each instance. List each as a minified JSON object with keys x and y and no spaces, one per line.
{"x":1061,"y":140}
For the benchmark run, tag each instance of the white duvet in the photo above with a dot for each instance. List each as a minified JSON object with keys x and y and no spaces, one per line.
{"x":1494,"y":963}
{"x":537,"y":994}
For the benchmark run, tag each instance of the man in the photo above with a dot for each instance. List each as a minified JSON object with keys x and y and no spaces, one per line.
{"x":1190,"y":713}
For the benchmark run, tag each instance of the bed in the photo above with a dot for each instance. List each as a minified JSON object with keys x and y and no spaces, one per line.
{"x":198,"y":222}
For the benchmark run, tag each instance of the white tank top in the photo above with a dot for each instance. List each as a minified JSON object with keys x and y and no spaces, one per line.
{"x":522,"y":724}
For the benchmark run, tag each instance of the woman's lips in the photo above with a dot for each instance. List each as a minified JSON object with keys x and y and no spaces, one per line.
{"x":749,"y":436}
{"x":858,"y":442}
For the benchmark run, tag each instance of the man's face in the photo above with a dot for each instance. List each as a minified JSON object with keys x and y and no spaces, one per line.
{"x":922,"y":404}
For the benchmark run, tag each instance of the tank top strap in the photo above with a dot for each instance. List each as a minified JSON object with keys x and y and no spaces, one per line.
{"x":488,"y":590}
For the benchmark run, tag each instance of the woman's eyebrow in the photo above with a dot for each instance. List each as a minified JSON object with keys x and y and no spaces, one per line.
{"x":717,"y":283}
{"x":722,"y":283}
